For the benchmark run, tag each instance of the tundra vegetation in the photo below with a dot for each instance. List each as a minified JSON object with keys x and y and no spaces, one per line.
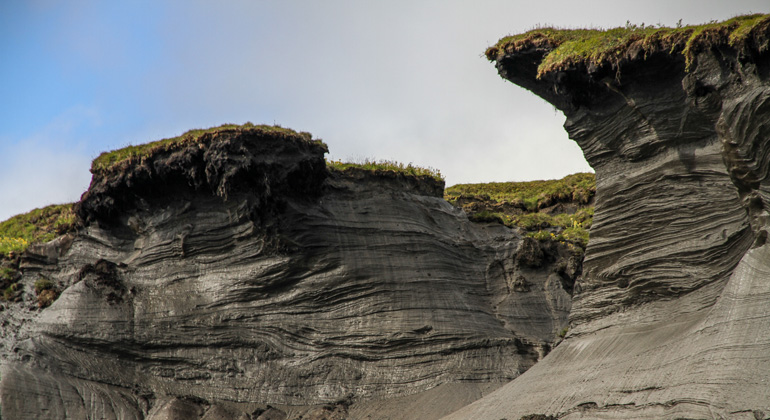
{"x":384,"y":166}
{"x":554,"y":210}
{"x":598,"y":47}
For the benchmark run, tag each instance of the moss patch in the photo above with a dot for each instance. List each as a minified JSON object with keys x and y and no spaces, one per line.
{"x":109,"y":160}
{"x":385,"y":166}
{"x":571,"y":47}
{"x":37,"y":226}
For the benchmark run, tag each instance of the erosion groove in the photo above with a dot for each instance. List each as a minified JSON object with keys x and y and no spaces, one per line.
{"x":669,"y":318}
{"x":235,"y":276}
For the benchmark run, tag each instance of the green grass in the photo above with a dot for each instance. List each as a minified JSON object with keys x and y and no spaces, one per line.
{"x":531,"y":195}
{"x":108,"y":160}
{"x":570,"y":47}
{"x":563,"y":227}
{"x":37,"y":226}
{"x":375,"y":166}
{"x":528,"y":198}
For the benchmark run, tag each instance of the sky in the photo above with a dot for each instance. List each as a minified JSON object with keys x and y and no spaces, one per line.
{"x":396,"y":80}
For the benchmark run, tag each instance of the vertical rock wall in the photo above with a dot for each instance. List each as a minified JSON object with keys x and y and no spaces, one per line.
{"x":670,"y":318}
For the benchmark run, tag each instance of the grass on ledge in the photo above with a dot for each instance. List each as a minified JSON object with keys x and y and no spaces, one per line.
{"x":487,"y":203}
{"x":36,"y":226}
{"x":532,"y":195}
{"x":375,"y":166}
{"x":542,"y":226}
{"x":598,"y":47}
{"x":107,"y":160}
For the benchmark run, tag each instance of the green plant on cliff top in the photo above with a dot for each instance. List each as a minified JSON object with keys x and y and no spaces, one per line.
{"x":37,"y":226}
{"x":570,"y":47}
{"x":374,"y":166}
{"x":578,"y":187}
{"x":108,"y":160}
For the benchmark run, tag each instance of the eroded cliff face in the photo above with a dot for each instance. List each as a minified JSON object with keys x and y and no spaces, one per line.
{"x":212,"y":280}
{"x":670,"y":317}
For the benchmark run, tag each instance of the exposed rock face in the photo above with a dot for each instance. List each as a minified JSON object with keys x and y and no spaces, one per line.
{"x":670,"y":319}
{"x":209,"y":281}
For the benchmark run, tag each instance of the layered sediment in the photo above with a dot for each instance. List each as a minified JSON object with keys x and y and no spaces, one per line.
{"x":669,"y":319}
{"x":236,"y":277}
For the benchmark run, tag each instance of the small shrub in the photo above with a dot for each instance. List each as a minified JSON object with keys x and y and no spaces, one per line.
{"x":46,"y":292}
{"x":46,"y":298}
{"x":563,"y":332}
{"x":43,"y":284}
{"x":12,"y":292}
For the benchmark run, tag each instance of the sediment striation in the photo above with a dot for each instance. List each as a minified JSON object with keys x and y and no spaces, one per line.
{"x":669,"y":319}
{"x":233,"y":276}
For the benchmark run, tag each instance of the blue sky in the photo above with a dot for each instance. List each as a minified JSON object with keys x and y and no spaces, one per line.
{"x":402,"y":80}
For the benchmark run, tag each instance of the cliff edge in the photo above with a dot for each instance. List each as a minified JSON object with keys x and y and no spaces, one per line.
{"x":669,"y":319}
{"x":229,"y":274}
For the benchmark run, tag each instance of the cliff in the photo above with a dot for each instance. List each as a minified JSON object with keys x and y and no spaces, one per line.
{"x":229,"y":274}
{"x":669,"y":319}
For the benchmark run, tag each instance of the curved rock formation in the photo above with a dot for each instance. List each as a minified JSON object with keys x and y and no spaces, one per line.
{"x":670,"y":319}
{"x":214,"y":278}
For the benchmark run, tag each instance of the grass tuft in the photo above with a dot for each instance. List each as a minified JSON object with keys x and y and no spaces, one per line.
{"x":571,"y":47}
{"x":375,"y":166}
{"x":46,"y":292}
{"x":12,"y":292}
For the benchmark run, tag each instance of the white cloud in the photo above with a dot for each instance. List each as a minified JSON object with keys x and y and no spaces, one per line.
{"x":399,"y":80}
{"x":48,"y":167}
